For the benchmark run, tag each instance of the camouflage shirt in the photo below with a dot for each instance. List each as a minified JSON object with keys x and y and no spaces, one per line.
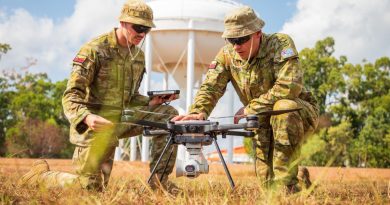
{"x":103,"y":73}
{"x":273,"y":74}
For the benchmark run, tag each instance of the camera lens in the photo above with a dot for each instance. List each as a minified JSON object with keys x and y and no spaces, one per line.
{"x":190,"y":168}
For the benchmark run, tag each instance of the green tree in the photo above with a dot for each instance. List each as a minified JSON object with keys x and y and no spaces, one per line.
{"x":32,"y":122}
{"x":4,"y":48}
{"x":4,"y":101}
{"x":5,"y":112}
{"x":371,"y":148}
{"x":36,"y":138}
{"x":330,"y":146}
{"x":323,"y":72}
{"x":359,"y":96}
{"x":37,"y":103}
{"x":367,"y":104}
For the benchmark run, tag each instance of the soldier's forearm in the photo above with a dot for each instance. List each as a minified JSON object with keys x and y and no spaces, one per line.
{"x":139,"y":100}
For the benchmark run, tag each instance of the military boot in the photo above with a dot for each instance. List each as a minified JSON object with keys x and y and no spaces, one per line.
{"x":32,"y":177}
{"x":304,"y":177}
{"x":164,"y":184}
{"x":293,"y":189}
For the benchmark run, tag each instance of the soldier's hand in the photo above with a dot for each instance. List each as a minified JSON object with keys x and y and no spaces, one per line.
{"x":200,"y":116}
{"x":158,"y":100}
{"x":239,"y":115}
{"x":97,"y":123}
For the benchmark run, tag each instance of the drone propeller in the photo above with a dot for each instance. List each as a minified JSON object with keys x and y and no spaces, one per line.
{"x":97,"y":105}
{"x":126,"y":111}
{"x":240,"y":133}
{"x":151,"y":124}
{"x":266,"y":113}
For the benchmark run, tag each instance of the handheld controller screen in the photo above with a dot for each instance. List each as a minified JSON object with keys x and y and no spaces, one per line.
{"x":164,"y":93}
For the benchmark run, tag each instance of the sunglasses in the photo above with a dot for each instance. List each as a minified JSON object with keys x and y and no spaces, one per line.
{"x":141,"y":29}
{"x":239,"y":41}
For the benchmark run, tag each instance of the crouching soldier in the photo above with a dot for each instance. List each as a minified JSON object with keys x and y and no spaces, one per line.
{"x":107,"y":70}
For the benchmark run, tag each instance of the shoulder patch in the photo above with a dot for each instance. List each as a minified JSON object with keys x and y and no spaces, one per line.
{"x":213,"y":64}
{"x":79,"y":59}
{"x":287,"y":52}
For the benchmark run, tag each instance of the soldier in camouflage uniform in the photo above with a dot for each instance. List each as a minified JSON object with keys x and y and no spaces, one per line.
{"x":266,"y":74}
{"x":107,"y":71}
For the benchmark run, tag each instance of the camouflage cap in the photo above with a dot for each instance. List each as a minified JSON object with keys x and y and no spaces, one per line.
{"x":137,"y":12}
{"x":241,"y":22}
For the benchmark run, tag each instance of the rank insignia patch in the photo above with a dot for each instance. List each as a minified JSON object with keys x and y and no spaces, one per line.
{"x":213,"y":64}
{"x":288,"y":52}
{"x":79,"y":59}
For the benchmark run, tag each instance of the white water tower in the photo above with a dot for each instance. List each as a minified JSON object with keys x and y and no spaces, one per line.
{"x":186,"y":39}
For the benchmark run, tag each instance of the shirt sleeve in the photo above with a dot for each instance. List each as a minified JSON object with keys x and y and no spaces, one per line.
{"x":288,"y":75}
{"x":83,"y":70}
{"x":212,"y":88}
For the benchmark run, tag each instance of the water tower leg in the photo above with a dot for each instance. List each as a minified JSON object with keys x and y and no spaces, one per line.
{"x":119,"y":151}
{"x":148,"y":67}
{"x":232,"y":112}
{"x":190,"y":79}
{"x":165,"y":81}
{"x":133,"y":148}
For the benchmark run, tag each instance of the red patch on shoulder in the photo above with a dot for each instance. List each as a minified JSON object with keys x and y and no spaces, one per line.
{"x":213,"y":65}
{"x":79,"y":60}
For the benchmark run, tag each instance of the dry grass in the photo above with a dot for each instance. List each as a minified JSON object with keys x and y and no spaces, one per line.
{"x":127,"y":186}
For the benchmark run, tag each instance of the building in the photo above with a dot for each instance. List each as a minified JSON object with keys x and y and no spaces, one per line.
{"x":239,"y":156}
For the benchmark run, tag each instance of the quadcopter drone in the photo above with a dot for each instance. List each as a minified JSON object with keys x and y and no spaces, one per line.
{"x":195,"y":134}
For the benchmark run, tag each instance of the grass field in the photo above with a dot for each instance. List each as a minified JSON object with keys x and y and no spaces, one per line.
{"x":127,"y":186}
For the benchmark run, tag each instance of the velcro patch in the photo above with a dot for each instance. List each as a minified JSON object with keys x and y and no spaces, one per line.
{"x":213,"y":64}
{"x":79,"y":59}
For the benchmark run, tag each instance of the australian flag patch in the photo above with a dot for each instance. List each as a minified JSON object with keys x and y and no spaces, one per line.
{"x":288,"y":52}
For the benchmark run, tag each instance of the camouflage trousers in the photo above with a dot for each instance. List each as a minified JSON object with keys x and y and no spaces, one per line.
{"x":94,"y":163}
{"x":278,"y":143}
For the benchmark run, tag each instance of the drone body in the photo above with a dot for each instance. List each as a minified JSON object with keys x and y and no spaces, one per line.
{"x":194,"y":135}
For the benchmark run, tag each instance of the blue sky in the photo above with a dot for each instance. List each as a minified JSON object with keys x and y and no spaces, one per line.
{"x":59,"y":9}
{"x":56,"y":9}
{"x":274,"y":12}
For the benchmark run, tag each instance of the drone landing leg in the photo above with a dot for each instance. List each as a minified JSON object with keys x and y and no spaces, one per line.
{"x":224,"y":164}
{"x":169,"y":143}
{"x":166,"y":163}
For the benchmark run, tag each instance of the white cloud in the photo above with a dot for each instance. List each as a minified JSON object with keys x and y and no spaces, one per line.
{"x":360,"y":27}
{"x":54,"y":44}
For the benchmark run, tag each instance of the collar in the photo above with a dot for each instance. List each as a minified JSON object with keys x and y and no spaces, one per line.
{"x":112,"y":40}
{"x":262,"y":50}
{"x":113,"y":43}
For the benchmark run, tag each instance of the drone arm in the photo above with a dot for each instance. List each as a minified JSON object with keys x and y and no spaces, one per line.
{"x":148,"y":132}
{"x":239,"y":133}
{"x":130,"y":119}
{"x":231,"y":127}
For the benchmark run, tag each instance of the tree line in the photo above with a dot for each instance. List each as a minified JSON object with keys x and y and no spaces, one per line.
{"x":32,"y":123}
{"x":354,"y":99}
